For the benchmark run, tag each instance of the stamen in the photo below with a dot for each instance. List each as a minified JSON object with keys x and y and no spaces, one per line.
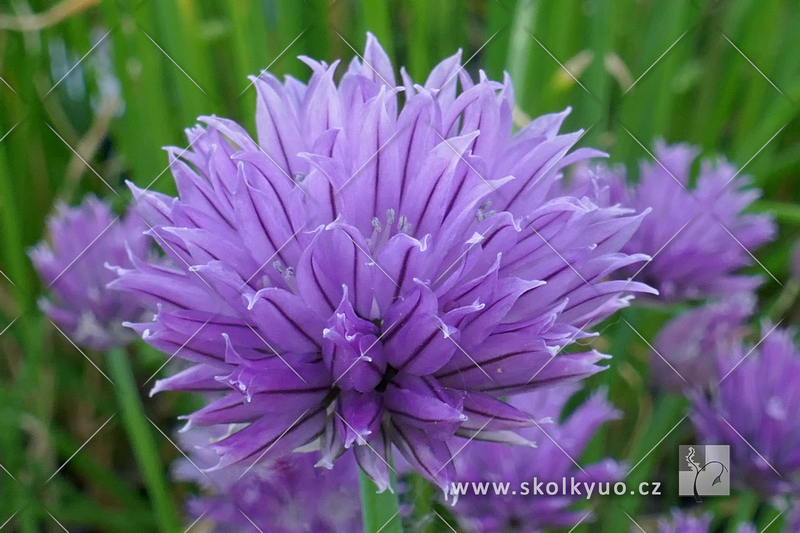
{"x":483,"y":215}
{"x":483,"y":211}
{"x":289,"y":279}
{"x":403,"y":225}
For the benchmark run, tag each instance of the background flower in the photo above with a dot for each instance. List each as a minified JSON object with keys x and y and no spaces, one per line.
{"x":284,"y":495}
{"x":685,"y":523}
{"x":724,"y":92}
{"x":692,"y":343}
{"x":372,"y":274}
{"x":85,"y":243}
{"x":752,"y":412}
{"x":557,"y":444}
{"x":697,"y":233}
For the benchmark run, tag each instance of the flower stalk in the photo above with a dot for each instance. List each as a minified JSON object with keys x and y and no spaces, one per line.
{"x":381,"y":511}
{"x":141,"y":437}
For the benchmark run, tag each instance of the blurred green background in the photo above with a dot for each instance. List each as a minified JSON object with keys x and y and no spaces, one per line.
{"x":91,"y":91}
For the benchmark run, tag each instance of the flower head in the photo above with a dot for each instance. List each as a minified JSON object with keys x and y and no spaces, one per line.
{"x":697,"y":232}
{"x":368,"y":274}
{"x":688,"y":346}
{"x":285,"y":495}
{"x":550,"y":461}
{"x":85,"y":242}
{"x":686,"y":523}
{"x":752,"y":412}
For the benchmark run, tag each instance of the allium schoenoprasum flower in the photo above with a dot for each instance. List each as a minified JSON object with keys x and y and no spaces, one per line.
{"x":686,"y":523}
{"x":697,"y":232}
{"x":284,"y":495}
{"x":369,"y":274}
{"x":688,"y":347}
{"x":754,"y":412}
{"x":683,"y":523}
{"x":85,"y":243}
{"x":551,"y":461}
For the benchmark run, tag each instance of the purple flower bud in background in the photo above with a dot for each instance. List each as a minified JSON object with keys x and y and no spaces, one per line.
{"x":697,"y":232}
{"x":284,"y":495}
{"x":368,"y":274}
{"x":686,"y":523}
{"x":76,"y":265}
{"x":753,"y":411}
{"x":551,"y":461}
{"x":691,"y":343}
{"x":683,"y":523}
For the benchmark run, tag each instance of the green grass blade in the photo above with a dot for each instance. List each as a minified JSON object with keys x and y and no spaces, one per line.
{"x":519,"y":45}
{"x":140,"y":432}
{"x":377,"y":19}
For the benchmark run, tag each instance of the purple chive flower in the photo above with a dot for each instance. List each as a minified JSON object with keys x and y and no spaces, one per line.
{"x":694,"y":226}
{"x":692,"y":342}
{"x":686,"y":523}
{"x":369,"y":274}
{"x":85,"y":242}
{"x":487,"y":462}
{"x":683,"y":523}
{"x":752,"y":411}
{"x":285,"y":495}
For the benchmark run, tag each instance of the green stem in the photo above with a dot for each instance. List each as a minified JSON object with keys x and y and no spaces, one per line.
{"x":141,"y":438}
{"x":519,"y":46}
{"x":668,"y":410}
{"x":784,"y":301}
{"x":745,"y":511}
{"x":381,"y":511}
{"x":424,"y":496}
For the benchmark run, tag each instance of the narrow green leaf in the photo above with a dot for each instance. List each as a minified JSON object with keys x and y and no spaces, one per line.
{"x":377,"y":19}
{"x":519,"y":45}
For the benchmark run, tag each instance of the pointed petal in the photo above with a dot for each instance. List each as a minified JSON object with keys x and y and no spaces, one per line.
{"x":373,"y":458}
{"x":269,"y":437}
{"x":337,"y":257}
{"x":377,"y":65}
{"x":429,"y":455}
{"x":285,"y":319}
{"x":196,"y":378}
{"x":361,"y":415}
{"x":491,"y":414}
{"x":424,"y":411}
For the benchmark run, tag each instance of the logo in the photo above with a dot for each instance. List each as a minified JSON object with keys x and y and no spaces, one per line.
{"x":704,"y":471}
